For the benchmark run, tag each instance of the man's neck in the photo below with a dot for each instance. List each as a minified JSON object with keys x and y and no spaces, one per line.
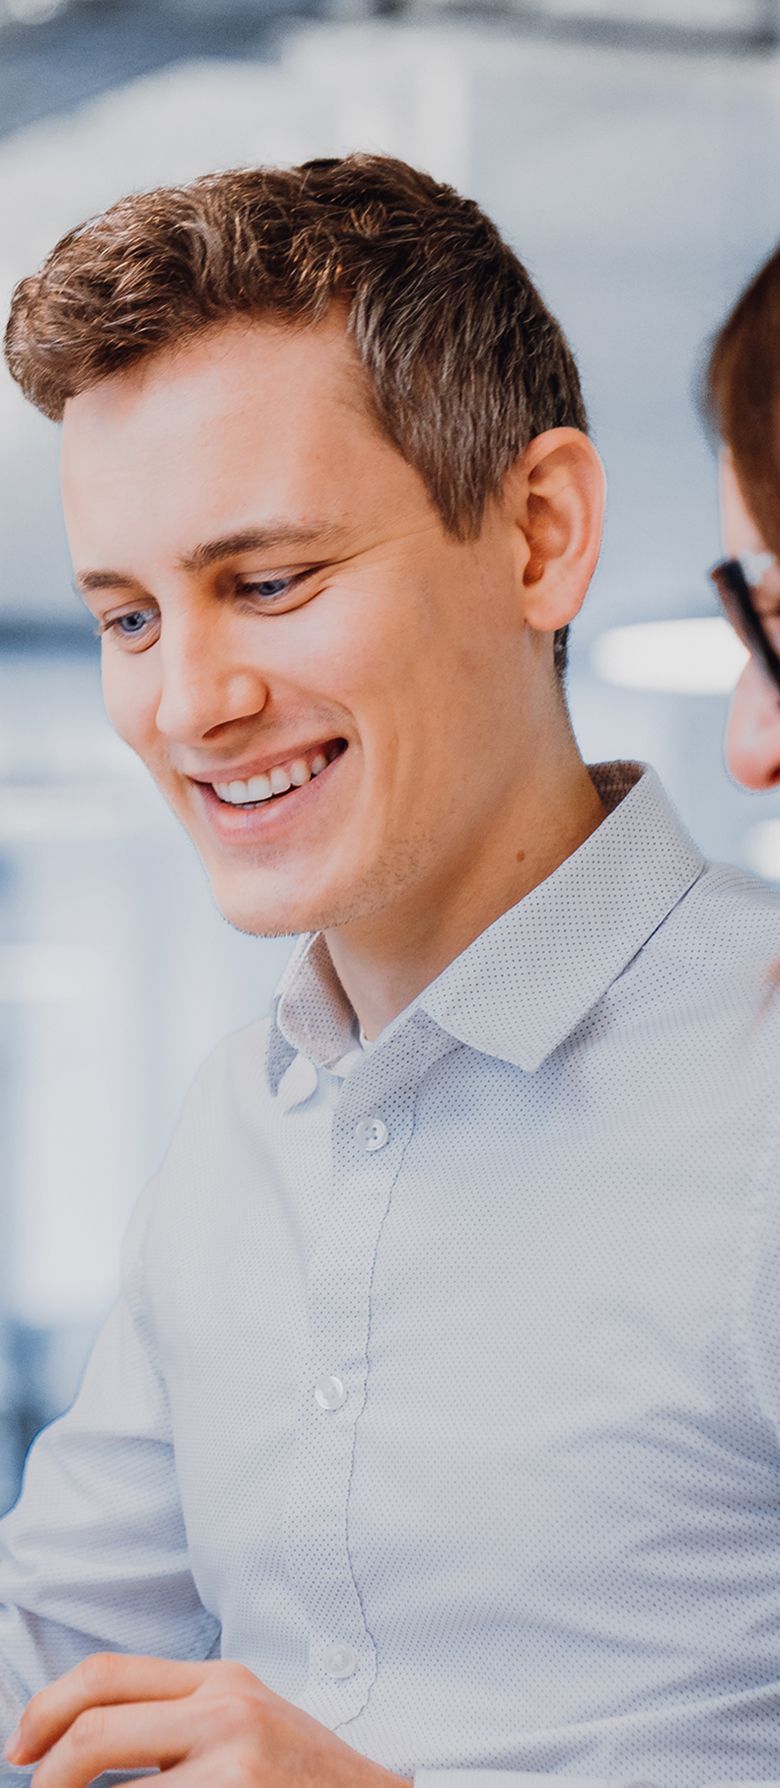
{"x":385,"y":961}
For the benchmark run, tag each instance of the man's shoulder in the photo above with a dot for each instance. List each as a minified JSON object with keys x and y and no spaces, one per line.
{"x":707,"y":980}
{"x":732,"y":883}
{"x":229,"y":1085}
{"x":729,"y":911}
{"x":234,"y":1071}
{"x":215,"y":1140}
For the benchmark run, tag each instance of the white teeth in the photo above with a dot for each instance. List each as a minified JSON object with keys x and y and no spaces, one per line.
{"x":259,"y":788}
{"x":276,"y":782}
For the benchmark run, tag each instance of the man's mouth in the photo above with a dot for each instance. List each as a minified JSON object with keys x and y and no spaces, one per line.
{"x":279,"y":780}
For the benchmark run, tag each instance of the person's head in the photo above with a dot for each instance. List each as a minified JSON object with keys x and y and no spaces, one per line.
{"x":742,"y":400}
{"x":327,"y":484}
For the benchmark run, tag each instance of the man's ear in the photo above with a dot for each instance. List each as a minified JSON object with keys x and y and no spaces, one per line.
{"x":557,"y":489}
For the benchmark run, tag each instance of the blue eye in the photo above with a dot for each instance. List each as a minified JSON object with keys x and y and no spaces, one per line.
{"x":269,"y":587}
{"x":137,"y":615}
{"x":116,"y":626}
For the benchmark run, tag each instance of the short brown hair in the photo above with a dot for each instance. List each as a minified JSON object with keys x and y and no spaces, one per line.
{"x":741,"y":395}
{"x":465,"y":362}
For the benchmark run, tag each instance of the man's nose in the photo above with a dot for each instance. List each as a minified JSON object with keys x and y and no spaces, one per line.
{"x":206,"y":679}
{"x":753,"y":731}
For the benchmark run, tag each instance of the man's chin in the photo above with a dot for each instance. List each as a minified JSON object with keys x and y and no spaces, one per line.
{"x":288,"y":915}
{"x":264,"y":902}
{"x":262,"y":923}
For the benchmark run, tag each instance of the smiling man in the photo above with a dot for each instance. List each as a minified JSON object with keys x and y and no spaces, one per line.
{"x":434,"y":1434}
{"x":327,"y":774}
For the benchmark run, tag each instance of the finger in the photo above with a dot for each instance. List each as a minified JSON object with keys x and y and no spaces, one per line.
{"x":105,"y":1678}
{"x":195,"y":1773}
{"x":145,"y":1735}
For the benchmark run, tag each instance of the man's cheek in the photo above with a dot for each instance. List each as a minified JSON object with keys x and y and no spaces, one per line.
{"x":125,"y":715}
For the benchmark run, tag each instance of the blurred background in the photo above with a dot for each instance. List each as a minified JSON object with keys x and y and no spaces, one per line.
{"x":629,"y":149}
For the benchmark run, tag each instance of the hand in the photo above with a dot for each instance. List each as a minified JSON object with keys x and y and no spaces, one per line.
{"x":198,"y":1723}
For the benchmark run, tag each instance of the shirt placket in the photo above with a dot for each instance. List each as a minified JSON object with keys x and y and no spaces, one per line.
{"x":372,"y":1122}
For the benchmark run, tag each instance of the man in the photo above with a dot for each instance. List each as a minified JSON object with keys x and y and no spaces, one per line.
{"x":433,"y":1436}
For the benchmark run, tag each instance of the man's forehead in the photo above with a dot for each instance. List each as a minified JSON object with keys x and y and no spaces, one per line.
{"x":262,"y":435}
{"x":231,"y":434}
{"x":233,"y":365}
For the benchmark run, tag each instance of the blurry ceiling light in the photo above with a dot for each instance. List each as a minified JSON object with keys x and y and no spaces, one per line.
{"x":33,"y":12}
{"x":762,"y":848}
{"x":689,"y":657}
{"x":36,"y":813}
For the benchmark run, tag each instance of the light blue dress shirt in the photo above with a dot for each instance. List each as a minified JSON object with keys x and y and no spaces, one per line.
{"x":443,"y":1390}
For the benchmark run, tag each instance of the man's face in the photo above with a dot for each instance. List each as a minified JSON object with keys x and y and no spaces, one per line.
{"x":753,"y":732}
{"x":354,"y":631}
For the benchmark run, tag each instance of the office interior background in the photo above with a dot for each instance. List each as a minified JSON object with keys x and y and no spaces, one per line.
{"x":630,"y":150}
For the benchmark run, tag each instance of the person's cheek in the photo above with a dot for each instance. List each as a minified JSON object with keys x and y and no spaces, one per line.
{"x":753,"y":732}
{"x":118,"y":712}
{"x":130,"y":705}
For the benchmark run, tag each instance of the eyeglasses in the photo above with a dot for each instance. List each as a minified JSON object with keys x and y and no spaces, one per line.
{"x":737,"y":584}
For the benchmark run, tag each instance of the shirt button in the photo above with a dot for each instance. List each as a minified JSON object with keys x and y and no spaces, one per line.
{"x":330,"y":1393}
{"x":340,"y":1660}
{"x":372,"y":1134}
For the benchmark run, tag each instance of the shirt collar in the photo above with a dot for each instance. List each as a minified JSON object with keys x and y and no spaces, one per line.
{"x":311,"y":1012}
{"x":521,"y":987}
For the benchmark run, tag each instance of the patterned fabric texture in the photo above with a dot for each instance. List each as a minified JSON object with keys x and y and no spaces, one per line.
{"x":443,"y":1390}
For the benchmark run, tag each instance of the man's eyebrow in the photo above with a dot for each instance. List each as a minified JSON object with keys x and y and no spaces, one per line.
{"x":102,"y":580}
{"x":326,"y":536}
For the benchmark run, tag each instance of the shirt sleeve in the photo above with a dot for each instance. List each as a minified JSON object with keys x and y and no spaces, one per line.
{"x":513,"y":1778}
{"x":94,"y":1556}
{"x":518,"y":1778}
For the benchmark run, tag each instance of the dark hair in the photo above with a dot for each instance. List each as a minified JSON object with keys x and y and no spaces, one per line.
{"x":465,"y":363}
{"x":741,"y":395}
